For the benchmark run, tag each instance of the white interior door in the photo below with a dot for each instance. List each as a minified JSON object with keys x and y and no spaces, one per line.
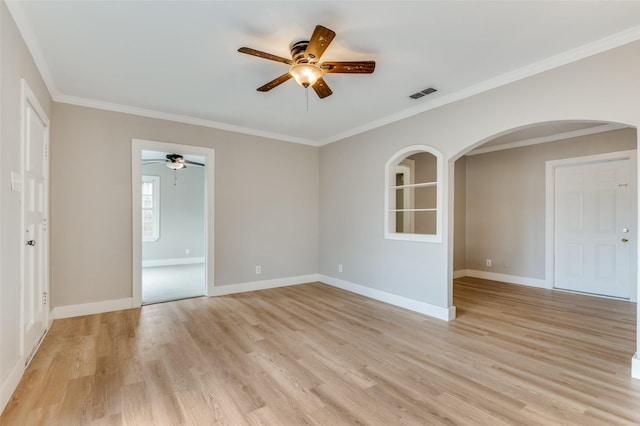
{"x":34,"y":210}
{"x":593,"y":219}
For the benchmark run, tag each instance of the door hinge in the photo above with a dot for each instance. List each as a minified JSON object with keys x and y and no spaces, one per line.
{"x":45,"y":298}
{"x":44,"y":224}
{"x":46,"y":150}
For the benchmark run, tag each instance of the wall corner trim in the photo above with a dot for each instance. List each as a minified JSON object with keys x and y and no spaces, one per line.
{"x":446,"y":314}
{"x":92,"y":308}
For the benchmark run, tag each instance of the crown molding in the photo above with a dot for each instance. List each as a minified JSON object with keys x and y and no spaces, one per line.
{"x":590,"y":49}
{"x":28,"y":35}
{"x":149,"y":113}
{"x":584,"y":51}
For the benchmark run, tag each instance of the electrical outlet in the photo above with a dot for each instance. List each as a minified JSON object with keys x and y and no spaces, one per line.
{"x":339,"y":267}
{"x":489,"y":263}
{"x":187,"y":251}
{"x":258,"y":269}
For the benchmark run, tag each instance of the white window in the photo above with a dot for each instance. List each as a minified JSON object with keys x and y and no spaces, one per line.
{"x":150,"y":208}
{"x":413,"y":195}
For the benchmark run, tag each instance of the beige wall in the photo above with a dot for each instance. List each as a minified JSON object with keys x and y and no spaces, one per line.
{"x":505,"y":202}
{"x":15,"y":63}
{"x":266,"y":203}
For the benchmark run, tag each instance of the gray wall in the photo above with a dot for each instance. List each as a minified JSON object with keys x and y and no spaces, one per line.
{"x":181,"y":213}
{"x":266,"y":203}
{"x":15,"y":63}
{"x":505,"y":198}
{"x":352,"y":221}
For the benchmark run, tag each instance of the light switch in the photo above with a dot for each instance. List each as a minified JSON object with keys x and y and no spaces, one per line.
{"x":16,"y":182}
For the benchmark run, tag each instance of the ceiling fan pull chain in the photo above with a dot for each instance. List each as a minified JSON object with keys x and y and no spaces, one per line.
{"x":175,"y":177}
{"x":306,"y":93}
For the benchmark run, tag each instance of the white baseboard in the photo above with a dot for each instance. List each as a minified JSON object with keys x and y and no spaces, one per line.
{"x":439,"y":312}
{"x":460,"y":273}
{"x":69,"y":311}
{"x":10,"y":384}
{"x":513,"y":279}
{"x":635,"y":366}
{"x":262,"y":285}
{"x":171,"y":262}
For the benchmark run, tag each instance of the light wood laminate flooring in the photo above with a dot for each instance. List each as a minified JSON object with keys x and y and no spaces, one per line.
{"x":313,"y":354}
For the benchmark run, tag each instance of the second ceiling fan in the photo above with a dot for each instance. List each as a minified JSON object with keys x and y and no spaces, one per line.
{"x":304,"y":66}
{"x":173,"y":161}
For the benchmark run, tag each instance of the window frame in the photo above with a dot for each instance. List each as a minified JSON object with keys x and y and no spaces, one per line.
{"x":155,"y":208}
{"x":390,"y":195}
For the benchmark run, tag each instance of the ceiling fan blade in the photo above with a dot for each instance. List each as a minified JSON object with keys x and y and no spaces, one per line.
{"x":275,"y":82}
{"x":154,"y":161}
{"x":356,"y":67}
{"x":321,"y":88}
{"x":319,"y":42}
{"x":264,"y":55}
{"x":193,"y":162}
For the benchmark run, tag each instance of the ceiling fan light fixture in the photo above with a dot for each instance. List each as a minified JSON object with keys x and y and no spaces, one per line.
{"x":175,"y":165}
{"x":305,"y":74}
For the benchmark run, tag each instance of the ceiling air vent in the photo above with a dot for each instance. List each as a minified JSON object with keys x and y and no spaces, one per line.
{"x":422,"y":93}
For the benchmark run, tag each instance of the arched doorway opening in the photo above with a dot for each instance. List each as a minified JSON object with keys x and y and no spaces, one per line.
{"x":501,"y":199}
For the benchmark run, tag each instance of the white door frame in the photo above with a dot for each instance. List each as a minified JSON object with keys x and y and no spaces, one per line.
{"x":137,"y":145}
{"x":630,"y":155}
{"x":28,"y":98}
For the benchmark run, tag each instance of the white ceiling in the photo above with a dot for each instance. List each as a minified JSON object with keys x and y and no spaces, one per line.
{"x":179,"y":59}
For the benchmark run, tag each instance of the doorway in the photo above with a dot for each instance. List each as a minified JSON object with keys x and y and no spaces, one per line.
{"x":173,"y":262}
{"x":172,"y":221}
{"x":504,"y":204}
{"x":593,"y":213}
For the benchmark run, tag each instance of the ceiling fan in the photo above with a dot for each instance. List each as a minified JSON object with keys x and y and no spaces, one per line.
{"x":173,"y":161}
{"x":304,"y":67}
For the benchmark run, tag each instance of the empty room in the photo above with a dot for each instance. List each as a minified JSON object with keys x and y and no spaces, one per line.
{"x":318,"y":212}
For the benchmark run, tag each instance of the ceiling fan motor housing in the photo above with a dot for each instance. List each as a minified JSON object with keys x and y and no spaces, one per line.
{"x":298,"y":50}
{"x":174,"y":157}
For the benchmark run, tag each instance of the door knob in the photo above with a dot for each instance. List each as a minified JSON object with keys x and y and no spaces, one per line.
{"x":31,"y":242}
{"x":624,"y":240}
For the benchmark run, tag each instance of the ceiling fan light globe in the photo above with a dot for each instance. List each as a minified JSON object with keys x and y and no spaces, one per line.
{"x":175,"y":165}
{"x":305,"y":74}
